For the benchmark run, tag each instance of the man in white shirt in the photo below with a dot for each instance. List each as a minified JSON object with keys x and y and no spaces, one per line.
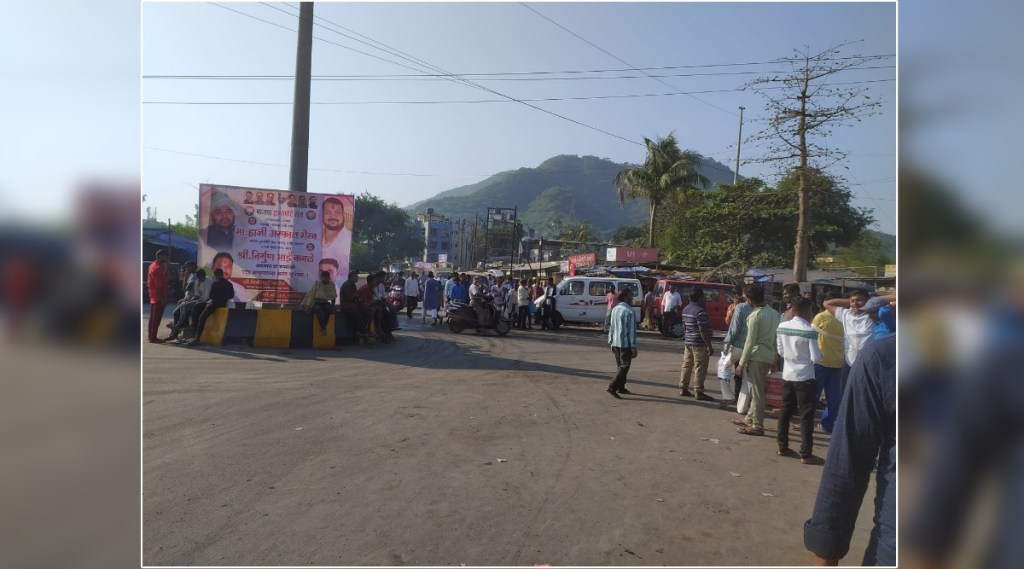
{"x":857,"y":327}
{"x":798,"y":345}
{"x":412,"y":293}
{"x":670,"y":303}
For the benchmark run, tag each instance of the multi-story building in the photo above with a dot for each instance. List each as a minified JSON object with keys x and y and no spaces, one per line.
{"x":438,"y":233}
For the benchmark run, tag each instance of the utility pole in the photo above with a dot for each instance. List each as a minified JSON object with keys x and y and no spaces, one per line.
{"x":515,"y":237}
{"x":739,"y":140}
{"x":300,"y":105}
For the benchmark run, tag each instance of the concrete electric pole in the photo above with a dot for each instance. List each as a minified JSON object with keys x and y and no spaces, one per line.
{"x":300,"y":106}
{"x":739,"y":140}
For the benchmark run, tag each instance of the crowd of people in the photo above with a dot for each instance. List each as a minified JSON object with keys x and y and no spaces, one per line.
{"x":846,"y":349}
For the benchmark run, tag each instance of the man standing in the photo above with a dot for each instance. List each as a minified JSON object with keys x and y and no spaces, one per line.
{"x":757,"y":359}
{"x":648,"y":309}
{"x":156,"y":282}
{"x":320,"y":300}
{"x":828,"y":372}
{"x":412,"y":291}
{"x":432,"y":292}
{"x":881,"y":314}
{"x":670,"y":303}
{"x":549,"y":305}
{"x":857,"y":326}
{"x":696,"y":347}
{"x":622,"y":339}
{"x":523,"y":304}
{"x":220,"y":293}
{"x":790,"y":292}
{"x":798,"y":346}
{"x":736,"y":340}
{"x":865,"y":436}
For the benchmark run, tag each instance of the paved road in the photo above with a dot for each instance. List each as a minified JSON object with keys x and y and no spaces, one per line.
{"x":445,"y":449}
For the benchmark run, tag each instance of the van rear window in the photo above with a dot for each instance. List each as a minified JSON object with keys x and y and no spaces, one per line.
{"x":601,"y":288}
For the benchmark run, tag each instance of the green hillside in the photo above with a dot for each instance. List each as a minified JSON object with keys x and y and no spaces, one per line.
{"x":562,"y":190}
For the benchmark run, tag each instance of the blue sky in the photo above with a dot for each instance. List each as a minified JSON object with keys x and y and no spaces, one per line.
{"x":405,"y":151}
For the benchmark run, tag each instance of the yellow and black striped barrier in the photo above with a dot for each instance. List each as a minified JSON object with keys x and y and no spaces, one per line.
{"x":282,"y":329}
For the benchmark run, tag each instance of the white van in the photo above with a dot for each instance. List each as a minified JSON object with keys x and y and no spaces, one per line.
{"x":582,"y":299}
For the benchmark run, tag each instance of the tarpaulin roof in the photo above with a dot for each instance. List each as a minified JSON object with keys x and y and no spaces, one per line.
{"x":163,"y":238}
{"x":638,"y":270}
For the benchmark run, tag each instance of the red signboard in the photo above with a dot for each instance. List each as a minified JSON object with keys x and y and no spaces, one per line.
{"x":583,"y":261}
{"x":632,"y":255}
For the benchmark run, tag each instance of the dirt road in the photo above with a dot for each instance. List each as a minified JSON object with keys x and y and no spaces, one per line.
{"x":445,"y":449}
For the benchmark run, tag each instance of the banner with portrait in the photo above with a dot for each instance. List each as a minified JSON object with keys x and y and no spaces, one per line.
{"x":272,"y":244}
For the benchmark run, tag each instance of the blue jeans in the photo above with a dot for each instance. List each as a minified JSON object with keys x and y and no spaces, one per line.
{"x":829,"y":380}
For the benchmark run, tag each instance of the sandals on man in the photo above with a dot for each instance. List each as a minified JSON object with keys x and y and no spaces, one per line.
{"x":750,"y":431}
{"x":739,"y":423}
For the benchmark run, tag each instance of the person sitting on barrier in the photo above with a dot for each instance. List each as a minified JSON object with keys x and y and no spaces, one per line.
{"x":220,"y":293}
{"x":349,"y":303}
{"x":320,"y":300}
{"x":373,"y":310}
{"x":395,"y":300}
{"x":198,"y":293}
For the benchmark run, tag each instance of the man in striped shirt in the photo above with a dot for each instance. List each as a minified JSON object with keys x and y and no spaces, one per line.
{"x":622,"y":339}
{"x":798,"y":346}
{"x":696,"y":347}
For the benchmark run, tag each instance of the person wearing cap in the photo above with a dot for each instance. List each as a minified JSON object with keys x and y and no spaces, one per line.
{"x":220,"y":231}
{"x":879,"y":308}
{"x":858,"y":325}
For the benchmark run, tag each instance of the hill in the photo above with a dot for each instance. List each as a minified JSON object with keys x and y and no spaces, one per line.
{"x":561,"y":190}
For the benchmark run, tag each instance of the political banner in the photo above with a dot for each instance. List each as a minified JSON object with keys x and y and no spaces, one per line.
{"x":272,"y":244}
{"x":583,"y":260}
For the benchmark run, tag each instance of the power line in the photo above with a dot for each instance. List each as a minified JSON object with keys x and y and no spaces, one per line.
{"x":468,"y":82}
{"x":474,"y":101}
{"x":617,"y":58}
{"x":483,"y":76}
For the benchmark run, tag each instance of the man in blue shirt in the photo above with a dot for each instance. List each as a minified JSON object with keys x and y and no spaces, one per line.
{"x":865,"y":431}
{"x":622,"y":339}
{"x":734,"y":341}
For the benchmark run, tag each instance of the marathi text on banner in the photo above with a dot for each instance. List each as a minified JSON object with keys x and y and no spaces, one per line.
{"x":272,"y":244}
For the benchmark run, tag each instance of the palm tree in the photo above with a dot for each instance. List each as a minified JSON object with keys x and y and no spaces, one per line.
{"x":666,"y":172}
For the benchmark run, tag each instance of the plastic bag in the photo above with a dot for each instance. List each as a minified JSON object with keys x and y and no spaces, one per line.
{"x":725,"y":369}
{"x":725,"y":376}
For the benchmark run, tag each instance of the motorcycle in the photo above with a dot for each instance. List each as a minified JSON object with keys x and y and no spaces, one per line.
{"x":461,"y":316}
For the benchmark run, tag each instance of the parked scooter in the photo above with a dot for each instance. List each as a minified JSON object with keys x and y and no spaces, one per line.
{"x":462,"y":316}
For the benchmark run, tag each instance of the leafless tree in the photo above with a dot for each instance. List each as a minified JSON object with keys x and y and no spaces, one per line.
{"x":803,"y":108}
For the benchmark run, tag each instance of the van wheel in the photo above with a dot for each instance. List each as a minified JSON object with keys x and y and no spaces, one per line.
{"x":455,"y":326}
{"x":502,"y":327}
{"x":557,"y":320}
{"x":677,"y":330}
